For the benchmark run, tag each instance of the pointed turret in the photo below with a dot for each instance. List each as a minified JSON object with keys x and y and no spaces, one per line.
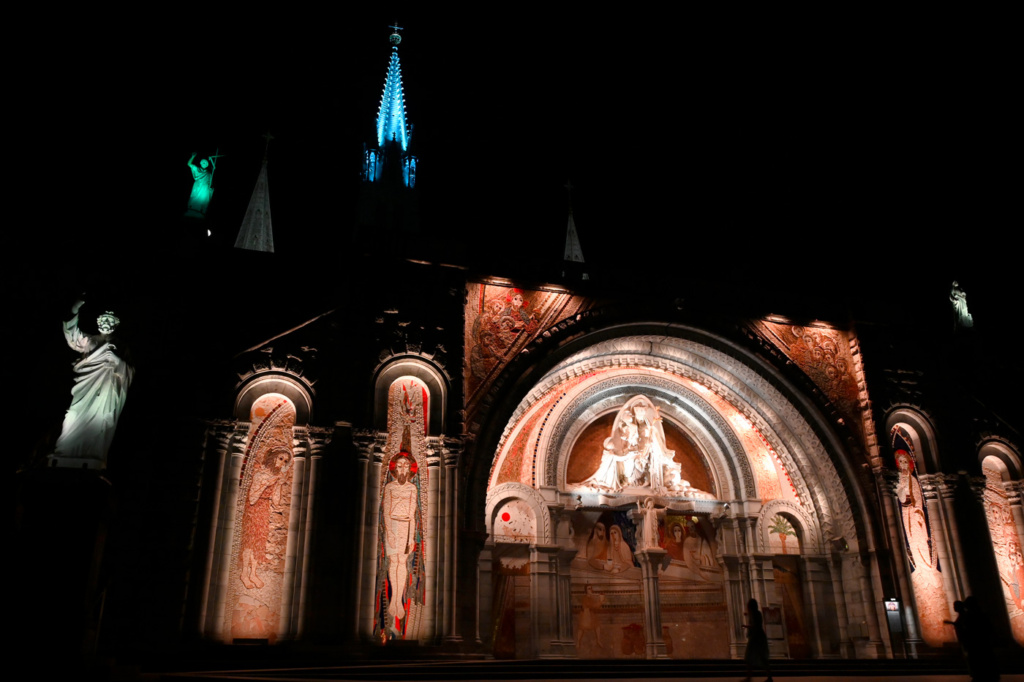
{"x":257,"y":233}
{"x":573,"y":251}
{"x":393,"y":132}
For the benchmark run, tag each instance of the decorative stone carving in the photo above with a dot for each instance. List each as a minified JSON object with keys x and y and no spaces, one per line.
{"x":807,"y":526}
{"x":635,"y":455}
{"x":505,"y":492}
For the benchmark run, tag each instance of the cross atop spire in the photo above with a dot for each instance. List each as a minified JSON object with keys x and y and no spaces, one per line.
{"x":266,"y":150}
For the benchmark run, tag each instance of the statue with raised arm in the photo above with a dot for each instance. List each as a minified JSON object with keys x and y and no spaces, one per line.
{"x":958,"y":298}
{"x":98,"y":396}
{"x":202,"y":185}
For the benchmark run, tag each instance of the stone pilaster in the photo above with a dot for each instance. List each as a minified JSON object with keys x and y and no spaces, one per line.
{"x":650,"y":559}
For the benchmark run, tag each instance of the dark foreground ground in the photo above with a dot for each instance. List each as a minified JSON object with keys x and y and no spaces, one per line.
{"x":267,"y":669}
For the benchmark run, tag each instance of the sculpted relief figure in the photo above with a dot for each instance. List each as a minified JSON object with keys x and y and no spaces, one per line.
{"x":264,"y":496}
{"x":636,"y":456}
{"x":400,"y":532}
{"x":400,"y":602}
{"x":98,"y":396}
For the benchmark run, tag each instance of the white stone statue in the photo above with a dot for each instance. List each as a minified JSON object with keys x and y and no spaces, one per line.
{"x":636,"y":456}
{"x":649,"y":525}
{"x":97,"y":398}
{"x":959,"y":300}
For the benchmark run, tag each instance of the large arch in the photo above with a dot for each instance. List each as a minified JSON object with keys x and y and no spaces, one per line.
{"x":734,"y":408}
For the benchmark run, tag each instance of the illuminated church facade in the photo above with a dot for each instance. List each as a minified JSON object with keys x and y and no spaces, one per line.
{"x":526,"y":469}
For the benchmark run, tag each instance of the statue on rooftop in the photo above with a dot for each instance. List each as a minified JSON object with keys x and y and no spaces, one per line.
{"x":98,"y":396}
{"x":202,"y":185}
{"x":958,"y":298}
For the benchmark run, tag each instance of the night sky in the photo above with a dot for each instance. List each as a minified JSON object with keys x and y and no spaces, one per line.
{"x":737,"y":140}
{"x":848,"y":155}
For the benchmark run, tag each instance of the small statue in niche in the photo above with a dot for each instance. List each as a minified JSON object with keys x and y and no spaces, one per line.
{"x":101,"y":385}
{"x":958,"y":298}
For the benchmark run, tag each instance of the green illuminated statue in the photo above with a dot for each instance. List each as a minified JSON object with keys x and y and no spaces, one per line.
{"x":202,"y":185}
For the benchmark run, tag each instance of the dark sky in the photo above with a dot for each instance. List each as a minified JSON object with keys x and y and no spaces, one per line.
{"x":838,"y":156}
{"x":807,"y":138}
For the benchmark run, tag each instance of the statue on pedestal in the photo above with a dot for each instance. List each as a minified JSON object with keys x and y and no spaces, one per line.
{"x":98,"y":396}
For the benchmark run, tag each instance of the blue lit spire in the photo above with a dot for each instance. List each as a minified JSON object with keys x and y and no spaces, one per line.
{"x":387,"y":159}
{"x":391,"y":115}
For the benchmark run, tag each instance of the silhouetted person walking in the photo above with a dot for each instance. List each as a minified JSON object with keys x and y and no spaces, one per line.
{"x":757,"y":642}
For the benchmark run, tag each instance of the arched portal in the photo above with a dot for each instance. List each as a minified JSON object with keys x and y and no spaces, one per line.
{"x":654,"y":457}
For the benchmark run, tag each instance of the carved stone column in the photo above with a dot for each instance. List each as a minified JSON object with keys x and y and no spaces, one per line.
{"x":218,"y":443}
{"x":650,"y":559}
{"x":947,"y":490}
{"x":544,"y":600}
{"x":812,"y":581}
{"x":727,"y":538}
{"x":485,"y":596}
{"x":317,"y":443}
{"x":226,"y":529}
{"x":362,"y":619}
{"x":433,"y":539}
{"x":451,"y":505}
{"x":370,"y":446}
{"x":886,"y":481}
{"x":931,"y":498}
{"x":835,"y":572}
{"x":287,"y":618}
{"x":566,"y":638}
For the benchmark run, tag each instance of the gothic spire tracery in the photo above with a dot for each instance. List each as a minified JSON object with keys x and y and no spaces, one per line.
{"x":391,"y":123}
{"x":393,"y":131}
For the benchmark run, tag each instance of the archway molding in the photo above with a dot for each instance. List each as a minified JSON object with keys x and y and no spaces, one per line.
{"x":505,"y":492}
{"x":678,"y":370}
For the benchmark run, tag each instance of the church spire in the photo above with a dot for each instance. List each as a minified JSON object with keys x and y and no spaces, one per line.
{"x":256,"y":233}
{"x":573,"y":251}
{"x":392,"y":128}
{"x":391,"y":114}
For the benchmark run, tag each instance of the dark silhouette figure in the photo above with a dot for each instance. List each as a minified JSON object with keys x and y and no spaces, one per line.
{"x":974,"y":631}
{"x":757,"y":642}
{"x":984,"y":665}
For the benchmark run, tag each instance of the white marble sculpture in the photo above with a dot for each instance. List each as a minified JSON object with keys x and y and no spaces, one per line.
{"x":635,"y":455}
{"x":958,"y":298}
{"x":97,"y":398}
